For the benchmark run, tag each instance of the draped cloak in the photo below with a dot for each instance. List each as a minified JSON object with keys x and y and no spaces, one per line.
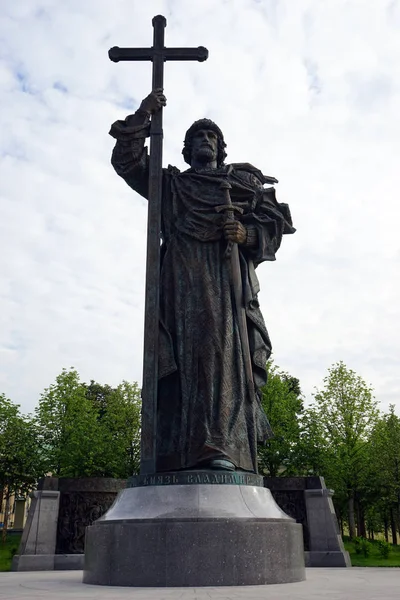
{"x":204,"y":410}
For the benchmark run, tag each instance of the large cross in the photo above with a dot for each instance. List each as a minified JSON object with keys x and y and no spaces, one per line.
{"x":158,"y":54}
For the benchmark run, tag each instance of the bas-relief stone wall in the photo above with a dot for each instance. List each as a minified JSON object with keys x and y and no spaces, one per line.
{"x":82,"y":501}
{"x":78,"y":511}
{"x":292,"y":502}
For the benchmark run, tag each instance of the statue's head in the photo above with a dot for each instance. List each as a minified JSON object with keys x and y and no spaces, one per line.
{"x":204,"y":138}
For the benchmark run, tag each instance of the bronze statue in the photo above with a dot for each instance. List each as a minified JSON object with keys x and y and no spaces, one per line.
{"x":212,"y":353}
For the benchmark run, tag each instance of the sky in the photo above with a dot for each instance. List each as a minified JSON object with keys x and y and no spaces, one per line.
{"x":307,"y":91}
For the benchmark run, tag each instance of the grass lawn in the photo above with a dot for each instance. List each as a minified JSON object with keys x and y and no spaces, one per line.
{"x":8,"y":550}
{"x":374,"y":559}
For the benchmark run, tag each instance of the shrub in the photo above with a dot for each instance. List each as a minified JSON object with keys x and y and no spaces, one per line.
{"x":362,"y":546}
{"x":384,"y":549}
{"x":358,"y":545}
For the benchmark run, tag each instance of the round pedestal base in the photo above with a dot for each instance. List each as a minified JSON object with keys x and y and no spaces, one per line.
{"x":194,"y":535}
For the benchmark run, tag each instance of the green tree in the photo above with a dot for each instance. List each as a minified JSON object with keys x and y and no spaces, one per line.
{"x":385,"y":469}
{"x":283,"y":403}
{"x":343,"y":416}
{"x":20,"y":457}
{"x":69,"y":427}
{"x":90,"y":430}
{"x":311,"y":451}
{"x":119,"y":421}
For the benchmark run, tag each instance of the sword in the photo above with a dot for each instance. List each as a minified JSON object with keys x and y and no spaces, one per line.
{"x":232,"y":252}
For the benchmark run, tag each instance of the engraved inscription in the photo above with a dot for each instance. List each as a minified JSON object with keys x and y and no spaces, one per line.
{"x":193,"y":477}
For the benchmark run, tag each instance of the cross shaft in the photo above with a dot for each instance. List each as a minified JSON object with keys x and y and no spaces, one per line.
{"x":157,"y":54}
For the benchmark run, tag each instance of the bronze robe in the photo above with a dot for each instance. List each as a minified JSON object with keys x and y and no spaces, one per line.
{"x":204,"y":411}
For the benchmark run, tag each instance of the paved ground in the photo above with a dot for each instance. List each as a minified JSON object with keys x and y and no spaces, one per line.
{"x":321,"y":584}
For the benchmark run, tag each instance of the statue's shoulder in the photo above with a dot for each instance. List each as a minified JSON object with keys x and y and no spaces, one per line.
{"x":171,"y":170}
{"x":252,"y":170}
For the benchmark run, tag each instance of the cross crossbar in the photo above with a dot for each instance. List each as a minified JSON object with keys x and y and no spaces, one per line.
{"x":117,"y":54}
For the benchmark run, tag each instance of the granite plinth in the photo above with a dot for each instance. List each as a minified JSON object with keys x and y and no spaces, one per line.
{"x":38,"y":542}
{"x":48,"y":562}
{"x":194,"y":535}
{"x":326,"y":544}
{"x":327,"y":559}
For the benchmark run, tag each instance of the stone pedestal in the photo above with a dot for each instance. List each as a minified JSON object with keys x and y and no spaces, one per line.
{"x":309,"y":502}
{"x":38,"y":543}
{"x":326,"y":545}
{"x":194,"y":529}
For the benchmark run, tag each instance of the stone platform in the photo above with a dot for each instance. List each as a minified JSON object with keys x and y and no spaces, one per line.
{"x":335,"y":584}
{"x":174,"y":532}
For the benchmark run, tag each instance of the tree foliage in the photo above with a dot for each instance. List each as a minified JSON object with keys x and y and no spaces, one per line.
{"x":118,"y":415}
{"x":21,"y":461}
{"x":283,"y":403}
{"x":341,"y":420}
{"x":384,"y":474}
{"x":89,"y":430}
{"x":385,"y":455}
{"x":20,"y":455}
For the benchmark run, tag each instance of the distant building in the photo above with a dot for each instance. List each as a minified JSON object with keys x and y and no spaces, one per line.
{"x":17,"y":512}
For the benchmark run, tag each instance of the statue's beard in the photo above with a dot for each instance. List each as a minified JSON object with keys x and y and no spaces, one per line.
{"x":205,"y":154}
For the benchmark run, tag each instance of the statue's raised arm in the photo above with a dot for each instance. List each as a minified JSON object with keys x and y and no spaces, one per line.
{"x":130,"y":156}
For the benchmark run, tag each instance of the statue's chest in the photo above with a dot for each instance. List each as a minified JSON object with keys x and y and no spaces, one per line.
{"x":200,"y":193}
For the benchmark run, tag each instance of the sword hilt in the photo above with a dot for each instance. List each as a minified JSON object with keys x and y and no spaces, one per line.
{"x":229,"y":209}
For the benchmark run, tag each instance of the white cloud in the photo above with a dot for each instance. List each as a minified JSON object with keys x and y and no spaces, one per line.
{"x":308,"y":91}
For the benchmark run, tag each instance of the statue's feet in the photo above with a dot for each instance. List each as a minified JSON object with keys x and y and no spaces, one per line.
{"x":222,"y":464}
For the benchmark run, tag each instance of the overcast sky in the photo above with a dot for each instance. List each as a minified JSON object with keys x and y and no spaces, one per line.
{"x":308,"y":91}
